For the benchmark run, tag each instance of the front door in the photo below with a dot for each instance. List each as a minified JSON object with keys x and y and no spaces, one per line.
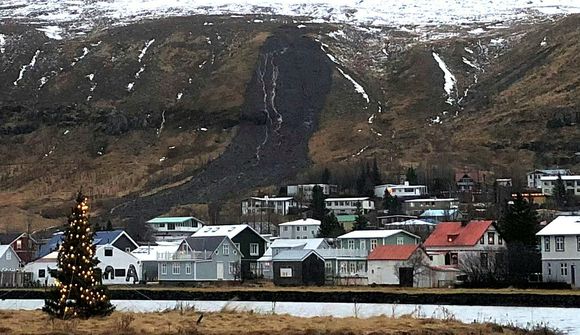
{"x":220,"y":270}
{"x":405,"y":277}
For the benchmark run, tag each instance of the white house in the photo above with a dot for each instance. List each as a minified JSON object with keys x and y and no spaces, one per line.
{"x":572,"y":184}
{"x":268,"y":205}
{"x":305,"y":228}
{"x":279,"y":245}
{"x":116,"y":265}
{"x":368,"y":240}
{"x":534,"y":176}
{"x":174,"y":228}
{"x":305,"y":190}
{"x":560,"y":245}
{"x":405,"y":265}
{"x":348,"y":205}
{"x":401,"y":191}
{"x":418,"y":206}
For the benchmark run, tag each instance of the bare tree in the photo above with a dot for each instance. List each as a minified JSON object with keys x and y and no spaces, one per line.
{"x":484,"y":267}
{"x":418,"y":262}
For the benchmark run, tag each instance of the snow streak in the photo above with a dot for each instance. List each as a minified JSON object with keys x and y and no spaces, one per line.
{"x":79,"y":58}
{"x":2,"y":43}
{"x":144,"y":50}
{"x":450,"y":80}
{"x":26,"y":67}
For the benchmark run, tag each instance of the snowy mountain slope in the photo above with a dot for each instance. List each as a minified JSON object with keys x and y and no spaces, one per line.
{"x":83,"y":15}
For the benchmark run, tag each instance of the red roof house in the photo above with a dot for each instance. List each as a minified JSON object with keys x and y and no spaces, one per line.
{"x":393,"y":252}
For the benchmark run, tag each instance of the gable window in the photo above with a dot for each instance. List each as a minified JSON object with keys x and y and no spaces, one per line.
{"x":559,"y":243}
{"x":564,"y":269}
{"x":373,"y":244}
{"x":351,"y":244}
{"x":18,"y":245}
{"x":400,"y":240}
{"x":286,"y":272}
{"x":127,"y":249}
{"x":8,"y":255}
{"x":163,"y":268}
{"x":226,"y":249}
{"x":187,"y":268}
{"x":481,"y":240}
{"x":254,"y":249}
{"x":546,"y":243}
{"x":175,"y":269}
{"x":108,"y":252}
{"x":490,"y":238}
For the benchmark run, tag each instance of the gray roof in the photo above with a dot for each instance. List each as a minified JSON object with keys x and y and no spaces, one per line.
{"x":204,"y":243}
{"x":8,"y":238}
{"x":294,"y":255}
{"x":173,"y":219}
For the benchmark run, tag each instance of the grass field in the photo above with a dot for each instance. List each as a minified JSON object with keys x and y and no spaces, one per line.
{"x":231,"y":322}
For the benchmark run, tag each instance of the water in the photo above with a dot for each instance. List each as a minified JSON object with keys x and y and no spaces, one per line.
{"x":564,"y":319}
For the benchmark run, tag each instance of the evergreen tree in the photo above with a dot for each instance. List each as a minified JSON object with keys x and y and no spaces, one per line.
{"x":325,"y":176}
{"x":360,"y":222}
{"x":411,"y":176}
{"x":376,"y":174}
{"x":109,"y":226}
{"x":391,"y":203}
{"x":318,"y":205}
{"x":330,"y":227}
{"x":520,"y":222}
{"x":78,"y":292}
{"x":560,"y":194}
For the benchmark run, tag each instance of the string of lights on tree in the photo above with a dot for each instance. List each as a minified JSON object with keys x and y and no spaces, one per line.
{"x":78,"y":291}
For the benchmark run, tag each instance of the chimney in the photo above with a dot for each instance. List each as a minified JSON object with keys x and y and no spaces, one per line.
{"x":464,"y":222}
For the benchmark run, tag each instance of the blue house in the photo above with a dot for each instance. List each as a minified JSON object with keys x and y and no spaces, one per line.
{"x":118,"y":238}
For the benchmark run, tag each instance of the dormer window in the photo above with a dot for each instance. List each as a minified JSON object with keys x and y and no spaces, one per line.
{"x":451,"y":238}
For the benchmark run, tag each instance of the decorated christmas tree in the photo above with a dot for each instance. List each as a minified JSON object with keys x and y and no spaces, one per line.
{"x":79,"y":291}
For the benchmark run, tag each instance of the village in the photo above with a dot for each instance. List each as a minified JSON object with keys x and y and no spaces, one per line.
{"x":413,"y":240}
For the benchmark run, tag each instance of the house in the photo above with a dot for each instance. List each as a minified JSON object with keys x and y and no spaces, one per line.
{"x":344,"y":266}
{"x":251,"y":244}
{"x":117,"y":238}
{"x":386,"y":219}
{"x":468,"y":181}
{"x":346,"y":221}
{"x":349,"y":205}
{"x":201,"y":259}
{"x":452,"y":243}
{"x":534,"y":176}
{"x":298,"y":267}
{"x":304,"y":228}
{"x":174,"y":228}
{"x":417,"y":227}
{"x":560,"y":246}
{"x":304,"y":191}
{"x":504,"y":182}
{"x":571,"y":182}
{"x":23,"y":244}
{"x":9,"y":259}
{"x":280,"y":245}
{"x":117,"y":266}
{"x":368,"y":240}
{"x":403,"y":265}
{"x":147,"y":255}
{"x":415,"y":207}
{"x":264,"y":206}
{"x":401,"y":191}
{"x":438,"y":215}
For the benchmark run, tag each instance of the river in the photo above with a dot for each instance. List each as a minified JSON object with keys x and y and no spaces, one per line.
{"x":564,"y":319}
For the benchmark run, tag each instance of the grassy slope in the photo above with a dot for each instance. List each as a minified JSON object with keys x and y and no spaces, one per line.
{"x":35,"y":322}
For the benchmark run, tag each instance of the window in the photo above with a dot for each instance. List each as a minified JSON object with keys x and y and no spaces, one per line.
{"x":254,"y":249}
{"x":175,"y":269}
{"x":237,"y":246}
{"x":454,"y":259}
{"x":564,"y":269}
{"x":312,"y":231}
{"x":373,"y":244}
{"x":305,"y":237}
{"x":351,"y":244}
{"x":18,"y":245}
{"x":360,"y":267}
{"x":483,"y":259}
{"x":343,"y":266}
{"x":232,"y":268}
{"x":559,"y":243}
{"x":286,"y":272}
{"x":352,"y":267}
{"x":120,"y":273}
{"x":499,"y":240}
{"x":41,"y":273}
{"x":400,"y":240}
{"x":285,"y":228}
{"x":108,"y":252}
{"x":187,"y":268}
{"x":546,"y":243}
{"x":362,"y":244}
{"x":127,"y":249}
{"x":490,"y":238}
{"x":163,"y":268}
{"x":328,"y":267}
{"x":8,"y":255}
{"x":226,"y":249}
{"x":298,"y":228}
{"x":578,"y":242}
{"x":482,"y":240}
{"x":549,"y":269}
{"x":171,"y":226}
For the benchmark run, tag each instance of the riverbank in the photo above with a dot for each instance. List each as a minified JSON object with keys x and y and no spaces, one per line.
{"x":226,"y":322}
{"x":377,"y":295}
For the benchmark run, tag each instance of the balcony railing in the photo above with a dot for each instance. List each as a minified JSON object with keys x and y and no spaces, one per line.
{"x":184,"y":255}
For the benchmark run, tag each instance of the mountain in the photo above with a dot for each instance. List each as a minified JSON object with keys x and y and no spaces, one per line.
{"x":157,"y":107}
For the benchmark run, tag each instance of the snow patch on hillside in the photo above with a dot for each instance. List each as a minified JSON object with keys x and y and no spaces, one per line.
{"x":52,"y":32}
{"x":144,"y":50}
{"x":26,"y":67}
{"x":450,"y":85}
{"x":2,"y":43}
{"x":357,"y":87}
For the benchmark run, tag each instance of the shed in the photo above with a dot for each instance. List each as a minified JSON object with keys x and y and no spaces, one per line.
{"x":298,"y":267}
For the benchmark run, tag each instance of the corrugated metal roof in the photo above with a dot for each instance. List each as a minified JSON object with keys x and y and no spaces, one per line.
{"x":374,"y":233}
{"x":454,"y":234}
{"x":438,"y":212}
{"x":149,"y":253}
{"x":294,"y":255}
{"x":562,"y":225}
{"x":230,"y":231}
{"x":8,"y":238}
{"x":393,"y":252}
{"x":175,"y":219}
{"x":205,"y":243}
{"x":302,"y":222}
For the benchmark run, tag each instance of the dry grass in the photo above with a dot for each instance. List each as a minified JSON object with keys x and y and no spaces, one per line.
{"x":184,"y":322}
